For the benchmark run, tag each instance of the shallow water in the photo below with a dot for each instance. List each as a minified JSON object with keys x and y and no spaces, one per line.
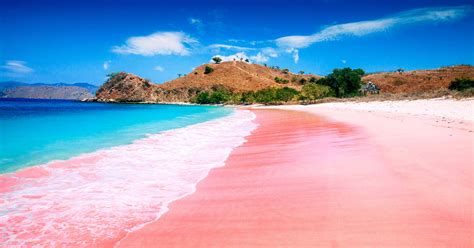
{"x":37,"y":131}
{"x":96,"y":198}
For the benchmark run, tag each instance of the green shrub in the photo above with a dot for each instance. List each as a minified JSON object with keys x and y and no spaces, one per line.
{"x":461,"y":84}
{"x":208,"y":69}
{"x":281,"y":80}
{"x":313,"y":91}
{"x":275,"y":95}
{"x":213,"y":97}
{"x":218,"y":97}
{"x":201,"y":98}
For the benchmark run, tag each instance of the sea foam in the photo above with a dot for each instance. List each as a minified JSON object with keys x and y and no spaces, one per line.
{"x":97,"y":198}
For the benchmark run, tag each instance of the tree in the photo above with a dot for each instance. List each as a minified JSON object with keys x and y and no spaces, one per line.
{"x":208,"y":69}
{"x":344,"y":82}
{"x":303,"y":81}
{"x":301,"y":72}
{"x":179,"y":74}
{"x":461,"y":84}
{"x":247,"y":60}
{"x":202,"y":98}
{"x":400,"y":70}
{"x":314,"y":91}
{"x":217,"y":60}
{"x":219,"y":96}
{"x":285,"y":71}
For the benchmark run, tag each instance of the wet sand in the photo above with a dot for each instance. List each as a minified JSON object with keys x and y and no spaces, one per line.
{"x":339,"y":179}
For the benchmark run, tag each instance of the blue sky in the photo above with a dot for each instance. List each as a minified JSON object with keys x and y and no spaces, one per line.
{"x":82,"y":41}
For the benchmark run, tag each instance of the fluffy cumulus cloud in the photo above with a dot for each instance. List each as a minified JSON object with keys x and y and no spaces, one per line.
{"x":237,"y":57}
{"x":259,"y":58}
{"x":361,"y":28}
{"x":159,"y":43}
{"x":106,"y":64}
{"x":17,"y":67}
{"x":158,"y":68}
{"x":264,"y":55}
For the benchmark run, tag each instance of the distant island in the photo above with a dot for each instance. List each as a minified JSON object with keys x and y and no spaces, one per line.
{"x":77,"y":91}
{"x":239,"y":82}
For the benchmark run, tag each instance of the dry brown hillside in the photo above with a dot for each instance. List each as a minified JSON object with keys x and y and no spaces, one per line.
{"x":236,"y":76}
{"x":419,"y":80}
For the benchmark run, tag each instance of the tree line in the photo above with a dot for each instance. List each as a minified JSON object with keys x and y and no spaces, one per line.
{"x":344,"y":82}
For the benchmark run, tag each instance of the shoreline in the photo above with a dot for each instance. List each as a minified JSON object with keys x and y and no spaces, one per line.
{"x":326,"y":177}
{"x":56,"y":203}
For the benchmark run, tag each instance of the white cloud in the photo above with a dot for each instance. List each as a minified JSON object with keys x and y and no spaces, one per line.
{"x":294,"y":53}
{"x":270,"y":52}
{"x":237,"y":57}
{"x":195,"y":21}
{"x":230,"y":47}
{"x":343,"y":61}
{"x":260,"y":58}
{"x":367,"y":27}
{"x":264,"y":55}
{"x":106,"y":64}
{"x":158,"y":68}
{"x":296,"y":56}
{"x":17,"y":67}
{"x":159,"y":43}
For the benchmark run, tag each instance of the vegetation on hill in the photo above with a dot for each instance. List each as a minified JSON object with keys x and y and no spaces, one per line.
{"x":208,"y":70}
{"x":461,"y":84}
{"x":344,"y":82}
{"x":266,"y":96}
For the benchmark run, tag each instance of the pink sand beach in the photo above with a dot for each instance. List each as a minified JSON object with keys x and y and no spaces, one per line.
{"x":337,"y":178}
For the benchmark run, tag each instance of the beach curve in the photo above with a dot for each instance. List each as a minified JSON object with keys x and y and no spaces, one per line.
{"x":338,"y":178}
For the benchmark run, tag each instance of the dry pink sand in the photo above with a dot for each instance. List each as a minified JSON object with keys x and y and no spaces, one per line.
{"x":358,"y":180}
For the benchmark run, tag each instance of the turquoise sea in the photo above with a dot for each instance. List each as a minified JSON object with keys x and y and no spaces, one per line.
{"x":33,"y":132}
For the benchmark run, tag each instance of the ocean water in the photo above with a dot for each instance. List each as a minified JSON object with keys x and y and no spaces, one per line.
{"x":37,"y":131}
{"x":88,"y":174}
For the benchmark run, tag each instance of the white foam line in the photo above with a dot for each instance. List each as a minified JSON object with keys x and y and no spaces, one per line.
{"x":101,"y":193}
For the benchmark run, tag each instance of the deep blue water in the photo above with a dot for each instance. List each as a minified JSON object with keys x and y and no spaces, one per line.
{"x":37,"y":131}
